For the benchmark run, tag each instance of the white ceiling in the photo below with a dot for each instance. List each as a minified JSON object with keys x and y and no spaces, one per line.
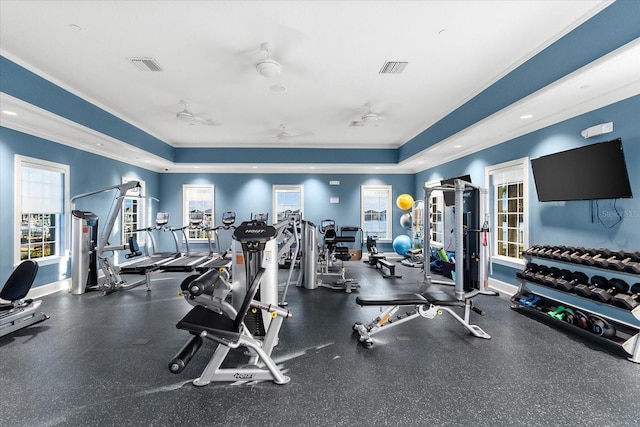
{"x":330,"y":51}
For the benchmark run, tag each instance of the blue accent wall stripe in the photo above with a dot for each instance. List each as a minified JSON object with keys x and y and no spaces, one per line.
{"x":286,"y":155}
{"x":23,"y":84}
{"x":612,"y":28}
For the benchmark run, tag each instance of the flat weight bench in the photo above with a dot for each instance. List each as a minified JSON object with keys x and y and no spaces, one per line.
{"x":383,"y":263}
{"x":427,"y":304}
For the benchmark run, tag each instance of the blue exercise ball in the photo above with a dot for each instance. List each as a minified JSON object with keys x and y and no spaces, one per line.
{"x":402,"y":244}
{"x":406,"y":220}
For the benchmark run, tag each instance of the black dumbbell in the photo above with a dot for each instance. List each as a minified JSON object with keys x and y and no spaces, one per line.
{"x":549,"y":278}
{"x":575,"y":256}
{"x":584,"y":290}
{"x":567,"y":284}
{"x":529,"y":270}
{"x":601,"y":327}
{"x":628,"y":301}
{"x":539,"y":275}
{"x":556,"y":275}
{"x":532,"y":250}
{"x":611,"y":288}
{"x":594,"y":256}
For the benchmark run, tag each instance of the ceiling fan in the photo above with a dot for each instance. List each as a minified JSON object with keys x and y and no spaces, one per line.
{"x":268,"y":67}
{"x":188,"y":117}
{"x":368,"y":118}
{"x":283,"y":135}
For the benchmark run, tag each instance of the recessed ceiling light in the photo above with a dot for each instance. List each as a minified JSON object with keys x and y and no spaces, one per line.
{"x":457,"y":146}
{"x":9,"y":113}
{"x":99,"y":144}
{"x":277,"y":89}
{"x":526,"y":116}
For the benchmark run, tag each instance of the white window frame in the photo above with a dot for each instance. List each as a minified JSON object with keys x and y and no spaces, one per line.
{"x":286,"y":189}
{"x":210,"y":223}
{"x":138,"y":195}
{"x":439,"y":196}
{"x":389,"y":209}
{"x":64,"y":221}
{"x":522,"y":166}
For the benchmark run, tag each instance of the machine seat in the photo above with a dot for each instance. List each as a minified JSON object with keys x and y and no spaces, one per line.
{"x":202,"y":319}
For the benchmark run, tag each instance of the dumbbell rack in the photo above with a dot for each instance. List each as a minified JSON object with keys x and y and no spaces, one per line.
{"x":626,"y":323}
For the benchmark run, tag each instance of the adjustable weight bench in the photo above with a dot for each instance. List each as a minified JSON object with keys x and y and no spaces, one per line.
{"x":427,"y":304}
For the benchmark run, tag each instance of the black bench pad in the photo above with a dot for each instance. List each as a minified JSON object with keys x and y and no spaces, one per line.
{"x":437,"y":297}
{"x":202,"y":319}
{"x":396,"y":299}
{"x":434,"y":297}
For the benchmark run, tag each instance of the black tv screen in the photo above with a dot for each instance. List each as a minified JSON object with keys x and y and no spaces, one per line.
{"x":597,"y":171}
{"x":450,"y":196}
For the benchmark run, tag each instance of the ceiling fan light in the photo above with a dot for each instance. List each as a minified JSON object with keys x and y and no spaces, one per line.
{"x":370,"y":117}
{"x":184,"y":116}
{"x":268,"y":68}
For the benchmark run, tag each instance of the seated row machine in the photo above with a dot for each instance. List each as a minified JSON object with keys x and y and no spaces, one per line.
{"x":231,"y":332}
{"x":379,"y":260}
{"x":19,"y":312}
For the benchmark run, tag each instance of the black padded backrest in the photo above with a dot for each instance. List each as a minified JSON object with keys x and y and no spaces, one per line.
{"x":251,"y":292}
{"x":18,"y":284}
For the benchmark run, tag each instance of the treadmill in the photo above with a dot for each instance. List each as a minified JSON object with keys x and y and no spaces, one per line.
{"x":189,"y":260}
{"x":155,"y":259}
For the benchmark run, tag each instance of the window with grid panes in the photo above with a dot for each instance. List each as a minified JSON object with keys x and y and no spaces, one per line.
{"x":508,"y":193}
{"x":376,"y":211}
{"x":42,"y":189}
{"x":287,"y":200}
{"x":196,"y":199}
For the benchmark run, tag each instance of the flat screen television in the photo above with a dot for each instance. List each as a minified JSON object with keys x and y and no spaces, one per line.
{"x":450,"y":196}
{"x":597,"y":171}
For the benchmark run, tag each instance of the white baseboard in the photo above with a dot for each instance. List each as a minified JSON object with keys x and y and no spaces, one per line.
{"x":50,"y":288}
{"x":502,"y":287}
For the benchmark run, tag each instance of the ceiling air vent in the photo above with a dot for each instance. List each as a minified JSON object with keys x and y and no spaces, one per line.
{"x":393,"y":67}
{"x":145,"y":64}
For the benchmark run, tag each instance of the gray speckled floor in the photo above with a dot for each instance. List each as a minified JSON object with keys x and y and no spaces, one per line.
{"x":102,"y":361}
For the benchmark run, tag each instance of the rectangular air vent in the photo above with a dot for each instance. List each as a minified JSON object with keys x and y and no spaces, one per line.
{"x":145,"y":64}
{"x":392,"y":67}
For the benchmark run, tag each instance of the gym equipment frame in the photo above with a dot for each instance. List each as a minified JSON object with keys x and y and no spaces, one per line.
{"x":232,"y":333}
{"x":79,"y":251}
{"x":433,"y":302}
{"x":428,"y":305}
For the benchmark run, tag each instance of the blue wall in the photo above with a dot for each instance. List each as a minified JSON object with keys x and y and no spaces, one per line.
{"x":88,"y":172}
{"x":565,"y":223}
{"x":246,"y":194}
{"x":242,"y":193}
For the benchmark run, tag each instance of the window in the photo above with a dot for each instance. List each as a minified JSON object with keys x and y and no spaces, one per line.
{"x":132,"y":212}
{"x":287,"y":200}
{"x":198,"y":198}
{"x":376,"y":211}
{"x":42,"y":192}
{"x":508,"y":195}
{"x":436,"y":215}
